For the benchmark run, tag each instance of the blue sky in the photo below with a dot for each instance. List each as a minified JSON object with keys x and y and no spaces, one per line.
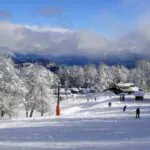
{"x":104,"y":16}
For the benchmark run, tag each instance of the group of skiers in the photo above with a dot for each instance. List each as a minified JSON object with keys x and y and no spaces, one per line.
{"x":125,"y":107}
{"x":137,"y":112}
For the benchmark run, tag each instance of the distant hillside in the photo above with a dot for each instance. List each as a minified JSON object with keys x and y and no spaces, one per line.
{"x":127,"y":60}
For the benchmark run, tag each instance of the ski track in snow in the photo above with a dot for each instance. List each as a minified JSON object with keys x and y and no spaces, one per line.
{"x":82,"y":126}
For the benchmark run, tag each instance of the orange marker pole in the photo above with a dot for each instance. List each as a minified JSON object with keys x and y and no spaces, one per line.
{"x":58,"y":99}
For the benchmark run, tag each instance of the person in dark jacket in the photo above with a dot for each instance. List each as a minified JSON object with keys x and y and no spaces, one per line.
{"x":124,"y":108}
{"x":138,"y":113}
{"x":109,"y":104}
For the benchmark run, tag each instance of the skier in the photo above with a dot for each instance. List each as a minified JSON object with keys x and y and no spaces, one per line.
{"x":138,"y":113}
{"x":109,"y":104}
{"x":124,"y":108}
{"x":95,"y":98}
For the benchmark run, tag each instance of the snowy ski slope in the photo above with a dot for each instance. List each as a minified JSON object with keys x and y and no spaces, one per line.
{"x":82,"y":126}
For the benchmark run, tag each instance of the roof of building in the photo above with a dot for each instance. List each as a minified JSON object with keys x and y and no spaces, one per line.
{"x":127,"y":87}
{"x":125,"y":84}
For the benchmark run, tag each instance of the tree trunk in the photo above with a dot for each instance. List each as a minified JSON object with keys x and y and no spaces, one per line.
{"x":2,"y":113}
{"x":31,"y":113}
{"x":148,"y":88}
{"x":42,"y":111}
{"x":27,"y":114}
{"x":32,"y":110}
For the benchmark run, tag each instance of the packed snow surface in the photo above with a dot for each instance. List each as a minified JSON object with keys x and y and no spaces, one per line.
{"x":86,"y":123}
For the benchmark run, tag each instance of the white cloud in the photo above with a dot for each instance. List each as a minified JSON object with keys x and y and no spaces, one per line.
{"x":49,"y":40}
{"x":59,"y":41}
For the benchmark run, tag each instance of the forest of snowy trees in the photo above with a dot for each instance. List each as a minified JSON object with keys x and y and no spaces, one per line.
{"x":28,"y":86}
{"x":31,"y":86}
{"x":101,"y":77}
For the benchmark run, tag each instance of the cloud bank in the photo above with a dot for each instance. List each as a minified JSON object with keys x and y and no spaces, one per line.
{"x":52,"y":41}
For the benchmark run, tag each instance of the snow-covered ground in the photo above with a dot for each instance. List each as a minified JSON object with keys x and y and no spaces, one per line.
{"x":83,"y":125}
